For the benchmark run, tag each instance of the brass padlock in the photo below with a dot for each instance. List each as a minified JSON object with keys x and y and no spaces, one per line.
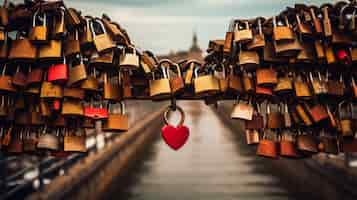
{"x":283,"y":32}
{"x":258,"y":41}
{"x":266,"y":77}
{"x":38,"y":33}
{"x":112,"y":88}
{"x":48,"y":141}
{"x":243,"y":33}
{"x":75,"y":141}
{"x":116,"y":122}
{"x":59,"y":26}
{"x":91,"y":83}
{"x":242,"y":110}
{"x":102,"y":42}
{"x":72,"y":108}
{"x":205,"y":85}
{"x":249,"y":60}
{"x":129,"y":60}
{"x":77,"y":73}
{"x":345,"y":119}
{"x":160,"y":88}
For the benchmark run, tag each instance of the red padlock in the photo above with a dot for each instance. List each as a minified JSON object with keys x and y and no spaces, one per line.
{"x":58,"y":73}
{"x":96,"y":113}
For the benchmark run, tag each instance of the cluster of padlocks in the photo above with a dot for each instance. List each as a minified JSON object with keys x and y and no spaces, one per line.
{"x":60,"y":73}
{"x":293,"y":75}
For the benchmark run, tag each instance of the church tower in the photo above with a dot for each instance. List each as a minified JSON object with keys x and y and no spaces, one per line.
{"x":195,"y":47}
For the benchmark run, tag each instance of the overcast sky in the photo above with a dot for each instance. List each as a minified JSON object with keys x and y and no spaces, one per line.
{"x":164,"y":25}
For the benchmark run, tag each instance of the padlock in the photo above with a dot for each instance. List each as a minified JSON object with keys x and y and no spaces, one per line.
{"x":30,"y":141}
{"x":16,"y":146}
{"x":160,"y":88}
{"x":36,"y":118}
{"x":287,"y":145}
{"x":335,"y":87}
{"x":303,"y":115}
{"x":112,"y":88}
{"x":316,"y":22}
{"x":129,"y":60}
{"x":319,"y":86}
{"x":242,"y":110}
{"x":301,"y":88}
{"x":75,"y":141}
{"x":91,"y":83}
{"x":51,"y":51}
{"x":19,"y":79}
{"x":86,"y":39}
{"x":34,"y":76}
{"x":257,"y":122}
{"x":221,"y":74}
{"x":249,"y":60}
{"x":266,"y":77}
{"x":72,"y":108}
{"x":228,"y":42}
{"x":235,"y":85}
{"x":283,"y":32}
{"x":96,"y":111}
{"x":284,"y":85}
{"x":59,"y":26}
{"x":38,"y":33}
{"x":303,"y":28}
{"x":50,"y":90}
{"x":58,"y":73}
{"x":77,"y":73}
{"x":174,"y":74}
{"x":116,"y":122}
{"x":71,"y":46}
{"x":307,"y":144}
{"x":6,"y":81}
{"x":102,"y":42}
{"x":268,"y":147}
{"x":274,"y":117}
{"x":345,"y":119}
{"x":205,"y":85}
{"x":317,"y":112}
{"x":242,"y":33}
{"x":258,"y":41}
{"x":22,"y":49}
{"x":48,"y":141}
{"x":330,"y":144}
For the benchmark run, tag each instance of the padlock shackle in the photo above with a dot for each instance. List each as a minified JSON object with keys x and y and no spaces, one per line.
{"x":35,"y":16}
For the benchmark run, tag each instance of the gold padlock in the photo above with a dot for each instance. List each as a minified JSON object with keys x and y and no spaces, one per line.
{"x":160,"y":88}
{"x":205,"y":85}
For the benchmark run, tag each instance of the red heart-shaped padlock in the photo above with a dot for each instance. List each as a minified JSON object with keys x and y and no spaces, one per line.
{"x":175,"y":137}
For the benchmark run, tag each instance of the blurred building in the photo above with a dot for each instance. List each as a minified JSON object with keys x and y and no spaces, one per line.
{"x":194,"y":52}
